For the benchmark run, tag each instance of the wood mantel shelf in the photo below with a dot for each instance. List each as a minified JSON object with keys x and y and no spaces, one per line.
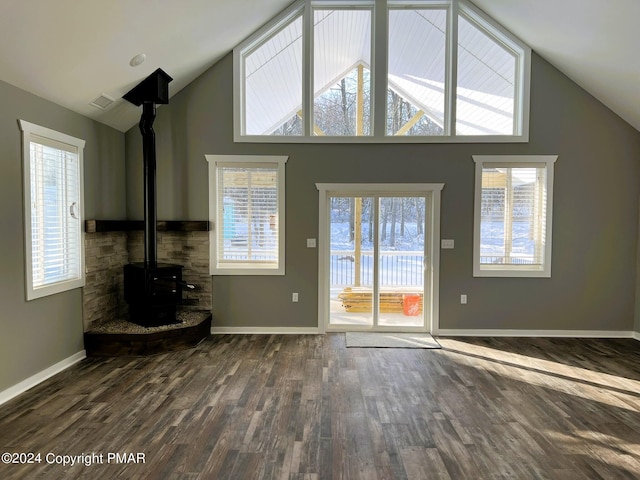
{"x":96,"y":226}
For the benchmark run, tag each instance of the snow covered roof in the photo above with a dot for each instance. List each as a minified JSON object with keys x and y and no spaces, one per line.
{"x":416,"y":70}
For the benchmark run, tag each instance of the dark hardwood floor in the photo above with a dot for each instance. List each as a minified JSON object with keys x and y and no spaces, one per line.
{"x":305,"y":407}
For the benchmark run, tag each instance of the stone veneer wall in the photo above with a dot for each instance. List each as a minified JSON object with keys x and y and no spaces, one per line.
{"x":103,"y":293}
{"x":106,"y":253}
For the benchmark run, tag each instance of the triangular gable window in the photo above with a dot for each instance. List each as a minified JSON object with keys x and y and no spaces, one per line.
{"x":272,"y":82}
{"x":486,"y":86}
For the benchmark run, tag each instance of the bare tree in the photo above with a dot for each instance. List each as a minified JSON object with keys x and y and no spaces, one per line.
{"x":352,"y":219}
{"x":419,"y":216}
{"x":384,"y":217}
{"x":293,"y":126}
{"x":394,"y":218}
{"x":402,"y":214}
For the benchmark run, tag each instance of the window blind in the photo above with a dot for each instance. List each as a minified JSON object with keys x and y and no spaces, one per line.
{"x":513,"y":213}
{"x":248,"y":216}
{"x":56,"y":248}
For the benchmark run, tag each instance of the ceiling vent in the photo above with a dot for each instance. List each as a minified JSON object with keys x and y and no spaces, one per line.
{"x":102,"y":102}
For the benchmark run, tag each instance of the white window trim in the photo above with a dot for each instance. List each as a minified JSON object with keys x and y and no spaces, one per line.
{"x":432,"y":247}
{"x":379,"y":73}
{"x":29,"y":132}
{"x":245,"y":269}
{"x":544,"y":271}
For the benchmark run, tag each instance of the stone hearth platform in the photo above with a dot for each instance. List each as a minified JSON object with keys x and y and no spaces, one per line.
{"x":123,"y":338}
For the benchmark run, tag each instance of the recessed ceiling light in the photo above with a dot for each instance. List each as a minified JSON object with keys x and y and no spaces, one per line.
{"x":138,"y":59}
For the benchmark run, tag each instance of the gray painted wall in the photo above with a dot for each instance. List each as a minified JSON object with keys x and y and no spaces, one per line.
{"x":38,"y":334}
{"x":595,"y":223}
{"x":637,"y":312}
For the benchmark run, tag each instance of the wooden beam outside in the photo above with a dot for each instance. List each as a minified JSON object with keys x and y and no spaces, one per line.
{"x":410,"y":123}
{"x":316,"y":129}
{"x":357,"y":239}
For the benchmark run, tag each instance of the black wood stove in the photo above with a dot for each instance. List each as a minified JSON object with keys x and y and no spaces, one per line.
{"x":153,"y":290}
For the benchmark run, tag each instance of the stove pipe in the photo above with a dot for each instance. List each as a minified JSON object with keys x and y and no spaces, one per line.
{"x":150,"y":194}
{"x":151,"y":91}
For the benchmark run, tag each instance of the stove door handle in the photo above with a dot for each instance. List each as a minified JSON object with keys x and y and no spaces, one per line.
{"x":189,"y":286}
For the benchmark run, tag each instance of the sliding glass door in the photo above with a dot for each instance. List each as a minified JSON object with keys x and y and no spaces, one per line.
{"x":401,"y":261}
{"x":378,"y":270}
{"x":351,"y":266}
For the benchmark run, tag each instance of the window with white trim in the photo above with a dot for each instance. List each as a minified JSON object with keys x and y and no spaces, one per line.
{"x":53,"y":210}
{"x":247,"y":212}
{"x":441,"y":71}
{"x":512,"y":215}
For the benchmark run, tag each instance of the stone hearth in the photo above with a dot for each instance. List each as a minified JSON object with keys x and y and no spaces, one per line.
{"x":120,"y":337}
{"x":109,"y":245}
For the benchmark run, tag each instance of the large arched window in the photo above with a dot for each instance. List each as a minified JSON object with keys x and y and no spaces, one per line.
{"x":434,"y":71}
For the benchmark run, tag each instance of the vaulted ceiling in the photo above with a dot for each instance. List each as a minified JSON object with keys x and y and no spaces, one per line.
{"x":72,"y":52}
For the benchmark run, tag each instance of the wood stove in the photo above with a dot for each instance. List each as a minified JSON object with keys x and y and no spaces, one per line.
{"x":153,"y":294}
{"x":152,"y":290}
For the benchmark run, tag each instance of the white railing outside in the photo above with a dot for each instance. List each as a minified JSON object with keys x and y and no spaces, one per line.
{"x":397,"y":268}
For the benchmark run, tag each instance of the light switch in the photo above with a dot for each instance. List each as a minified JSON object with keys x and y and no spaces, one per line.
{"x":447,"y":244}
{"x":311,"y":243}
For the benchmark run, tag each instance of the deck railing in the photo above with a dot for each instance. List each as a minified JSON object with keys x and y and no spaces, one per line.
{"x":506,"y":260}
{"x":397,"y":268}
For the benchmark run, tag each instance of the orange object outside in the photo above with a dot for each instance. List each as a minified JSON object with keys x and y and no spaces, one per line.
{"x":411,"y":305}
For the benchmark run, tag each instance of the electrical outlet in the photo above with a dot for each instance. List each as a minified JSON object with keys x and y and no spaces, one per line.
{"x":463,"y":299}
{"x":311,"y":243}
{"x":294,"y":297}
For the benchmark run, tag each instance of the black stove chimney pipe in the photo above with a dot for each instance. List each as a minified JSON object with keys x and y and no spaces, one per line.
{"x":151,"y":91}
{"x":150,"y":195}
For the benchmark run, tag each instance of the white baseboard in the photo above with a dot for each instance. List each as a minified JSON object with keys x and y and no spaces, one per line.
{"x":40,"y":377}
{"x":446,"y":332}
{"x":265,"y":330}
{"x":454,"y":332}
